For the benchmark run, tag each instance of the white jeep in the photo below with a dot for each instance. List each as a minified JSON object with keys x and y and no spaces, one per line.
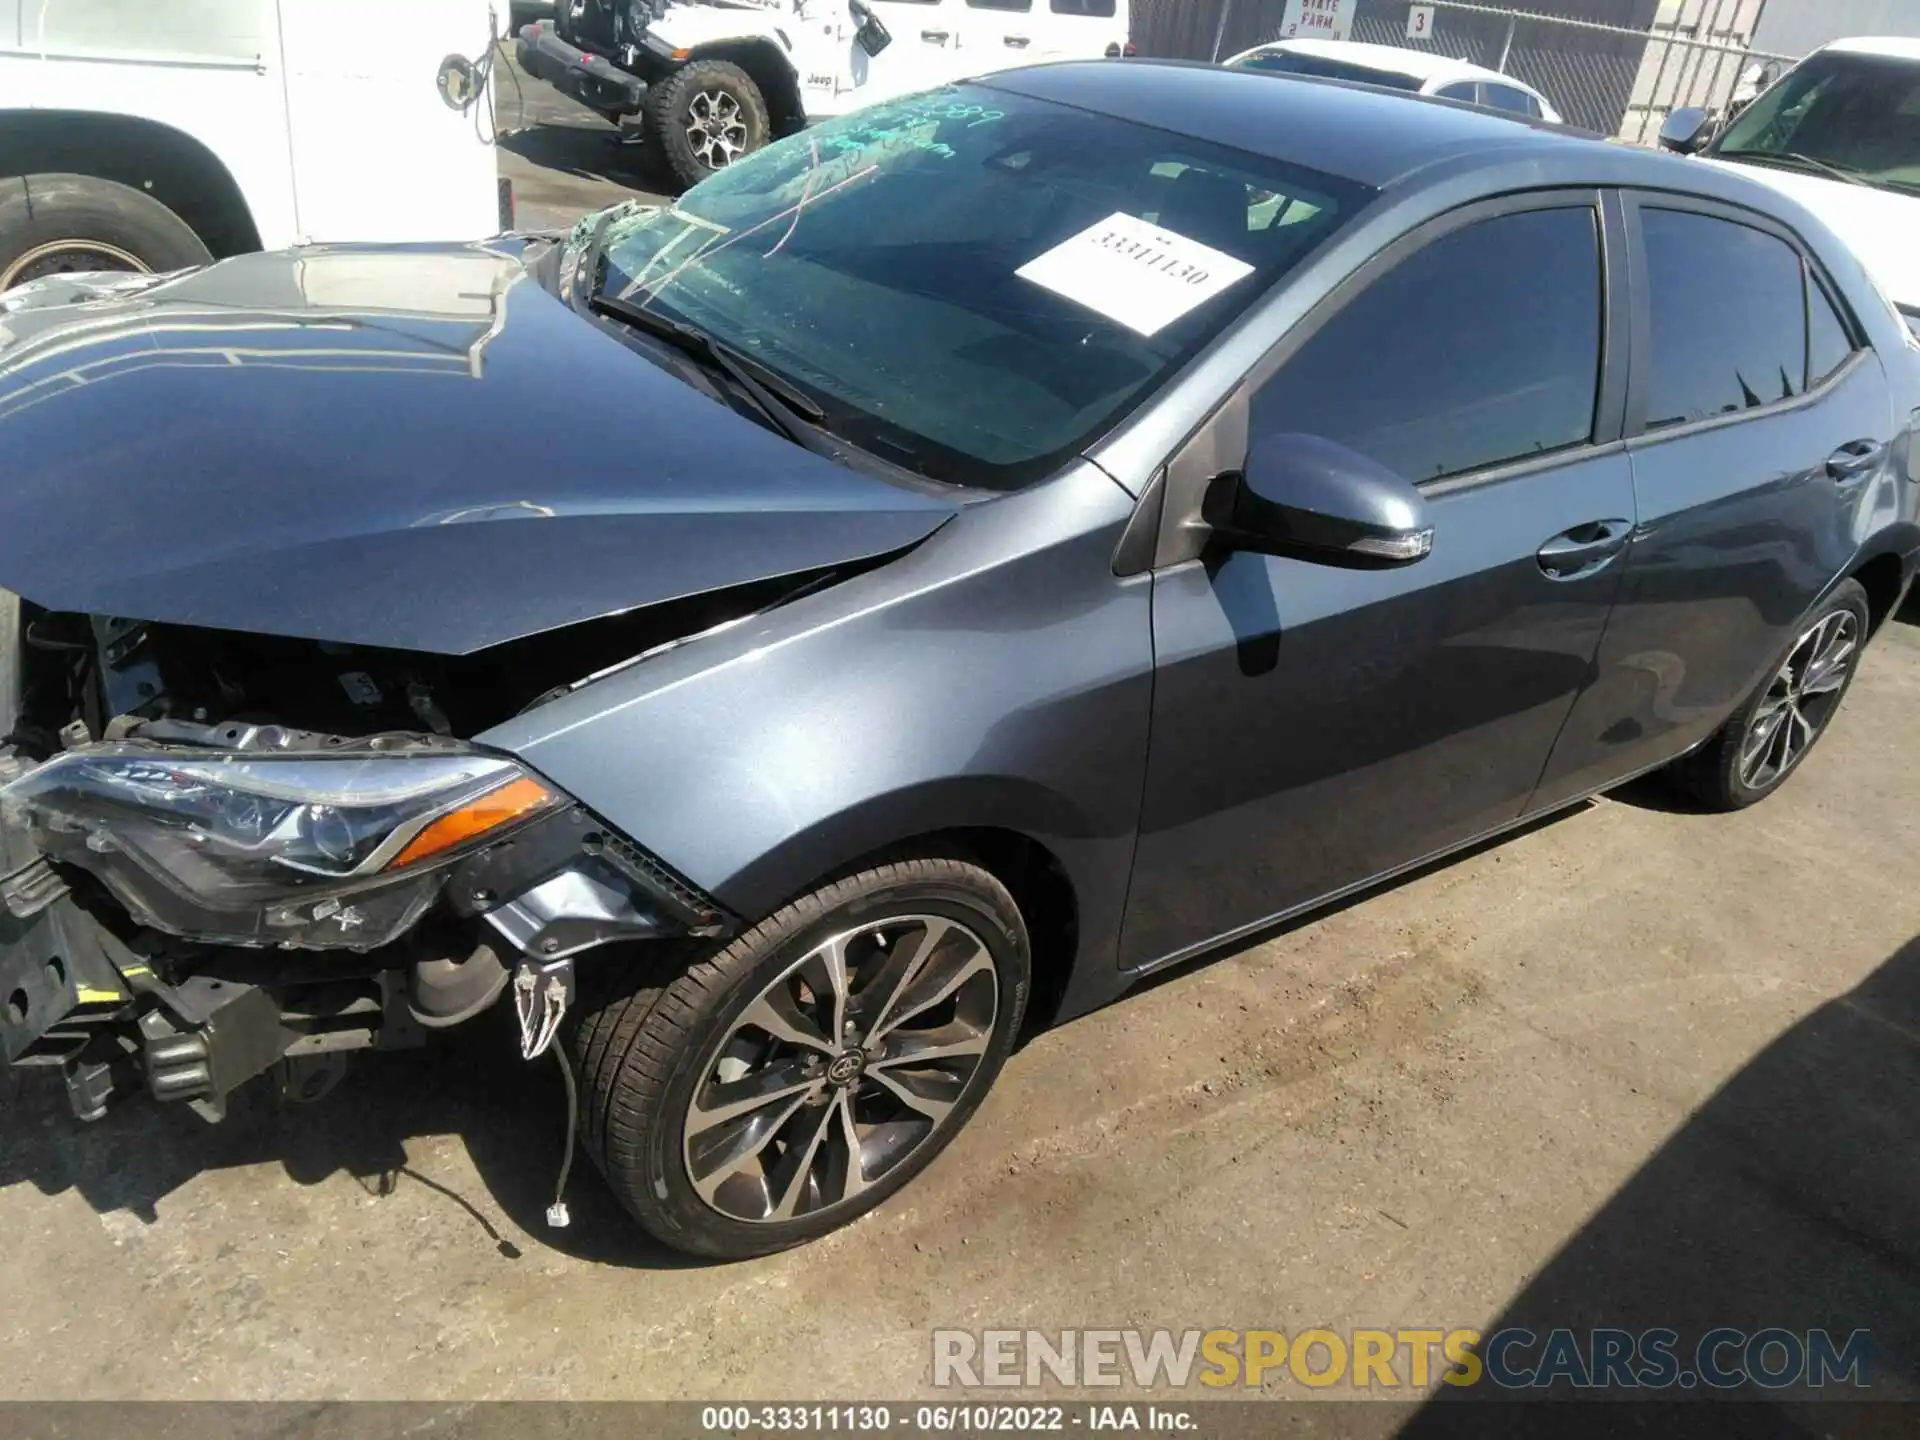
{"x":713,"y":80}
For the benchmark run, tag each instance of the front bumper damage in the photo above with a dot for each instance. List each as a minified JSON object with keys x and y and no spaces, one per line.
{"x":119,"y":1009}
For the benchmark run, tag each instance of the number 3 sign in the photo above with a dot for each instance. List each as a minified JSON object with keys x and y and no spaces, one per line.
{"x":1420,"y":22}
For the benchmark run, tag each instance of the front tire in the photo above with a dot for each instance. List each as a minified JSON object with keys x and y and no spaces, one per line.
{"x":703,"y":117}
{"x":70,"y":224}
{"x":790,"y":1083}
{"x":1768,"y":737}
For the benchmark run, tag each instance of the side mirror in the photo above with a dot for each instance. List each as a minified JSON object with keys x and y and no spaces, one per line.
{"x":872,"y":36}
{"x":1308,"y":498}
{"x":1686,"y":131}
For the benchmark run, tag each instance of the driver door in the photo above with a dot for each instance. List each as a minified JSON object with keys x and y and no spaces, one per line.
{"x":1316,"y":727}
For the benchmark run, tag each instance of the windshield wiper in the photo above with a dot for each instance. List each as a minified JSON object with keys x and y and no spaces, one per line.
{"x":787,"y":408}
{"x":1794,"y":157}
{"x":587,"y":275}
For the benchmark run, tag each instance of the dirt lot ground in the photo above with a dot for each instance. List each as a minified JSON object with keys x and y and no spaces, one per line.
{"x":1633,"y":1068}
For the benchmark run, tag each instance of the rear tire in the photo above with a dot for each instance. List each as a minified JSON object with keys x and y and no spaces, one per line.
{"x":69,"y":224}
{"x":1752,"y":755}
{"x":703,"y":117}
{"x":725,"y":1115}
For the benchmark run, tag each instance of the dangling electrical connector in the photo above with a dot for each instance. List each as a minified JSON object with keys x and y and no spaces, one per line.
{"x":557,"y":1216}
{"x":541,"y":994}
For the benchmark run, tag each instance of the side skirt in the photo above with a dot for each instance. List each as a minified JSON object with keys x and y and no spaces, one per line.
{"x":1334,"y":897}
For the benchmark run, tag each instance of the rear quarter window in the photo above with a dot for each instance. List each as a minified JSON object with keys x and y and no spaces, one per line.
{"x":1829,"y":346}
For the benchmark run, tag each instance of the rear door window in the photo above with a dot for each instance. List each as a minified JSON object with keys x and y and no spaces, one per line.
{"x":1506,"y":97}
{"x":1729,"y":315}
{"x":1480,"y":349}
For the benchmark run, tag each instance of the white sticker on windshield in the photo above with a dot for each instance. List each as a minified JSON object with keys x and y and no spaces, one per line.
{"x":1135,"y":273}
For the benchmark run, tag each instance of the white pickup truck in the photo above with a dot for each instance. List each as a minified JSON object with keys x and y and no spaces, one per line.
{"x":142,"y":136}
{"x":1840,"y":132}
{"x":713,"y":80}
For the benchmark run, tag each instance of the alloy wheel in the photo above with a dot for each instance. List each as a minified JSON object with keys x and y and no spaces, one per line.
{"x":853,"y":1058}
{"x":1800,"y":701}
{"x":716,"y":129}
{"x":68,"y":257}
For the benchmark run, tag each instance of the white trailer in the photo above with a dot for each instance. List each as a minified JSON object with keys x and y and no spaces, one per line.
{"x":142,"y":136}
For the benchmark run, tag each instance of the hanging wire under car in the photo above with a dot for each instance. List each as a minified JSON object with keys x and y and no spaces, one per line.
{"x":542,"y":993}
{"x":557,"y":1216}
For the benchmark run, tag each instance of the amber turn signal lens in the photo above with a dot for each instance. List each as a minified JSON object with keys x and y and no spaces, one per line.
{"x":512,"y":801}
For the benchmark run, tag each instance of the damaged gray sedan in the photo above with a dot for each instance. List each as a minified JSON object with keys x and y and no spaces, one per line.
{"x":955,"y":562}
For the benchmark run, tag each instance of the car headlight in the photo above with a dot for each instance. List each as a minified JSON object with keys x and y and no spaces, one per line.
{"x":310,"y":850}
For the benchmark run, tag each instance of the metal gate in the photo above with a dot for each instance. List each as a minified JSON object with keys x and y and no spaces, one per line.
{"x":1619,"y":67}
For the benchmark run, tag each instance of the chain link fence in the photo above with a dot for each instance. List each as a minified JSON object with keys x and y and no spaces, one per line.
{"x":1619,"y":70}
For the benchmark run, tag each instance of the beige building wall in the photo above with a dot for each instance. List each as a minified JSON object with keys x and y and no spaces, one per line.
{"x":1680,"y":69}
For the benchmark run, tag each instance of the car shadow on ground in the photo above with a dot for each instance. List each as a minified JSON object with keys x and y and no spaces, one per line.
{"x":471,"y":1082}
{"x":468,"y":1082}
{"x":1787,"y":1200}
{"x":1658,"y":793}
{"x":585,"y":152}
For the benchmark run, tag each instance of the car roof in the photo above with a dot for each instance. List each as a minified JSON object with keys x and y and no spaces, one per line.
{"x":1894,"y":47}
{"x":1358,"y":132}
{"x":1426,"y":156}
{"x":1420,"y":64}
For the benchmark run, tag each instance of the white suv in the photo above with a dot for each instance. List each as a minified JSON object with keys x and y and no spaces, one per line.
{"x":1417,"y":71}
{"x":1840,"y":132}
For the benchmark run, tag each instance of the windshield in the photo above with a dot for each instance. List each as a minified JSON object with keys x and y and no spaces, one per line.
{"x":1287,"y":62}
{"x":1858,"y":114}
{"x":973,"y":284}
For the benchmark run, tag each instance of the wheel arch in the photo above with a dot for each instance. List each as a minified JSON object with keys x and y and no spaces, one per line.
{"x":1883,"y":577}
{"x":1015,"y":830}
{"x":770,"y":68}
{"x":156,"y":159}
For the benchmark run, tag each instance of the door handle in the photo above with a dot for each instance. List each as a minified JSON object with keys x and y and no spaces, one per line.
{"x":937,"y":37}
{"x":1579,"y":552}
{"x":1018,"y":42}
{"x":1852,"y":461}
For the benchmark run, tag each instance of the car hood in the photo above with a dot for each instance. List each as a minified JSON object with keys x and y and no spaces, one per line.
{"x":1878,"y":225}
{"x":394,"y":446}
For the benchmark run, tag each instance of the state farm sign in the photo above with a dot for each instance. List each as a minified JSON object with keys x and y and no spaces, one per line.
{"x":1318,"y":20}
